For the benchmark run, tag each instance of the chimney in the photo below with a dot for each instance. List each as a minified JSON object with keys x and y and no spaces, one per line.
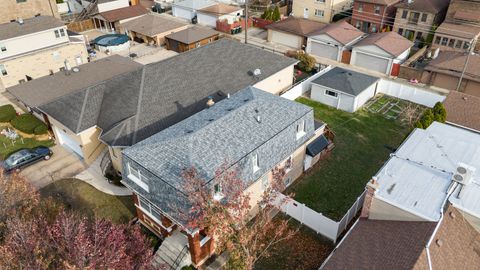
{"x":210,"y":102}
{"x":371,"y":188}
{"x":67,"y":67}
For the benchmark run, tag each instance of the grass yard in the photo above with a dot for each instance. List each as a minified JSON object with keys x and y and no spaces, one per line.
{"x":363,"y":142}
{"x":306,"y":250}
{"x":85,"y":199}
{"x":7,"y":147}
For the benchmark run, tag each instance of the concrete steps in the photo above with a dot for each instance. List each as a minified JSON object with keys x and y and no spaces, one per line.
{"x":171,"y":248}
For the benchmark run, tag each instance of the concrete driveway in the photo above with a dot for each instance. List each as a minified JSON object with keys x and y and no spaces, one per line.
{"x":62,"y":164}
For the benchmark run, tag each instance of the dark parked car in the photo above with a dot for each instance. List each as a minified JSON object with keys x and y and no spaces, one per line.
{"x":26,"y":157}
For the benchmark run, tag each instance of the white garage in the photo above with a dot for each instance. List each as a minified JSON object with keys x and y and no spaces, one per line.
{"x":187,"y":9}
{"x":65,"y":140}
{"x":292,"y":32}
{"x":379,"y":51}
{"x":289,"y":40}
{"x":344,"y":89}
{"x":220,"y":12}
{"x":330,"y":41}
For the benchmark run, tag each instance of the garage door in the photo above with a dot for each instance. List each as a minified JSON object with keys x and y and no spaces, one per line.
{"x":287,"y":39}
{"x":324,"y":50}
{"x":66,"y":141}
{"x":371,"y":62}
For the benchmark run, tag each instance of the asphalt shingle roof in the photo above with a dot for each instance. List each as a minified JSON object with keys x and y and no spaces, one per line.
{"x":29,"y":26}
{"x":346,"y":81}
{"x":391,"y":42}
{"x":123,"y":13}
{"x":296,"y":26}
{"x":144,"y":101}
{"x":192,"y":35}
{"x":152,"y":25}
{"x":432,"y":6}
{"x":342,"y":32}
{"x":463,"y":110}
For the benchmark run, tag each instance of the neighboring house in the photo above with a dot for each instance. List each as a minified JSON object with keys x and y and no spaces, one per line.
{"x":252,"y":132}
{"x":105,"y":5}
{"x":292,"y":32}
{"x":12,"y":10}
{"x":130,"y":107}
{"x":461,"y":28}
{"x":113,"y":20}
{"x":36,"y":47}
{"x":433,"y":166}
{"x":344,"y":89}
{"x":78,"y":135}
{"x":190,"y":38}
{"x":333,"y":40}
{"x":372,"y":16}
{"x":152,"y":29}
{"x":382,"y":52}
{"x":320,"y":10}
{"x":187,"y":9}
{"x":219,"y":12}
{"x":450,"y":243}
{"x":415,"y":19}
{"x":445,"y":70}
{"x":463,"y":110}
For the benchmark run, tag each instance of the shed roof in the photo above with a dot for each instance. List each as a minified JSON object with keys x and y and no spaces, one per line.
{"x":296,"y":26}
{"x":123,"y":13}
{"x":152,"y":25}
{"x":347,"y":81}
{"x":29,"y":26}
{"x":417,"y":177}
{"x":391,"y":42}
{"x":192,"y":35}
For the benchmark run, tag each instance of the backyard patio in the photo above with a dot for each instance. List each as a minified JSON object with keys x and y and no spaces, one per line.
{"x":363,"y":142}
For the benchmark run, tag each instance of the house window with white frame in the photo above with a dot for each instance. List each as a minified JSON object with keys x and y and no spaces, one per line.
{"x":377,"y":10}
{"x":148,"y":208}
{"x":319,"y":13}
{"x":301,"y":129}
{"x":59,"y":33}
{"x":136,"y":176}
{"x":3,"y":70}
{"x":331,"y":93}
{"x":255,"y":163}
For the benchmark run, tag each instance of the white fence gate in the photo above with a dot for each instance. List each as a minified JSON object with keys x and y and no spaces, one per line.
{"x":409,"y":92}
{"x":316,"y":221}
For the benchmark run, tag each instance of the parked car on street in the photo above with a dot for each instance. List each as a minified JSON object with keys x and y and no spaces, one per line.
{"x":25,"y":157}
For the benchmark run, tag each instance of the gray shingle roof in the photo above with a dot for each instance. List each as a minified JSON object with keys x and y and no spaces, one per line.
{"x":29,"y":26}
{"x":223,"y":134}
{"x":346,"y":81}
{"x":142,"y":102}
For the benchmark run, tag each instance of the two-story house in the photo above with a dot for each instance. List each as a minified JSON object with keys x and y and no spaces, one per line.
{"x":36,"y":47}
{"x":12,"y":10}
{"x":320,"y":10}
{"x":251,"y":132}
{"x":415,"y":19}
{"x":461,"y":29}
{"x":373,"y":16}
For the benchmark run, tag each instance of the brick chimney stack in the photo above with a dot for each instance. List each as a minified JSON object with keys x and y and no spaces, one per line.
{"x":371,"y":188}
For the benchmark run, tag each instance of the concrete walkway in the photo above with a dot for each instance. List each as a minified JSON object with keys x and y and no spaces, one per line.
{"x":93,"y":175}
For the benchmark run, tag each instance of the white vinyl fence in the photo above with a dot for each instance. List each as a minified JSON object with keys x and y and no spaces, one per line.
{"x":409,"y":92}
{"x":316,"y":221}
{"x":301,"y":87}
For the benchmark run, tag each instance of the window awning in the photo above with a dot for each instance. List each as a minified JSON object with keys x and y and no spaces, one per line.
{"x":315,"y":147}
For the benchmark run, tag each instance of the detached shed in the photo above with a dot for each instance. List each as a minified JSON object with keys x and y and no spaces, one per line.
{"x":344,"y":89}
{"x":190,"y":38}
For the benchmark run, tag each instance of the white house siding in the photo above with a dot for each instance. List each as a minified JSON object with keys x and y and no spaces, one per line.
{"x":183,"y":13}
{"x":342,"y":102}
{"x":373,"y":58}
{"x":289,"y":40}
{"x":277,"y":82}
{"x":207,"y":19}
{"x":381,"y":210}
{"x":363,"y":97}
{"x":112,"y":5}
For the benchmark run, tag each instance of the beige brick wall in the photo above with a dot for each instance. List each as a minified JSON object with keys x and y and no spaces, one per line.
{"x":423,"y":27}
{"x":11,"y":10}
{"x":40,"y":63}
{"x":329,"y":5}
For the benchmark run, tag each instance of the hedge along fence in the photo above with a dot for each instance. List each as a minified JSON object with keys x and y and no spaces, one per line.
{"x":29,"y":124}
{"x":7,"y":113}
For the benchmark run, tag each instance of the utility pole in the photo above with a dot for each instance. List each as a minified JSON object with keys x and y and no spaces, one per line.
{"x":469,"y":53}
{"x":246,"y":21}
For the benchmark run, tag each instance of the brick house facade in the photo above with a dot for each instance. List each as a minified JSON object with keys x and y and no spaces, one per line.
{"x":372,"y":16}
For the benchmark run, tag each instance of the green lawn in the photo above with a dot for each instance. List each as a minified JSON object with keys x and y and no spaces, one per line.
{"x":7,"y":147}
{"x":362,"y":140}
{"x":86,"y":200}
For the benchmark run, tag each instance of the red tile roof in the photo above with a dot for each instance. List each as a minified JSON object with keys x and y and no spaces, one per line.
{"x":390,"y":42}
{"x":123,"y":13}
{"x":463,"y":110}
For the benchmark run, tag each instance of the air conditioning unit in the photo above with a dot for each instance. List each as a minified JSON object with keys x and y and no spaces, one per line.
{"x":463,"y":174}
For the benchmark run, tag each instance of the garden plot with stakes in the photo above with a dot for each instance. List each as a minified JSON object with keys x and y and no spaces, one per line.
{"x":394,"y":108}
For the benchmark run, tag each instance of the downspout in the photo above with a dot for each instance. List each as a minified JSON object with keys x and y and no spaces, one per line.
{"x":51,"y":8}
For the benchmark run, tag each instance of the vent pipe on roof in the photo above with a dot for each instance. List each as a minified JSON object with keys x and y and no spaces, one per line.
{"x":210,"y":102}
{"x":20,"y":20}
{"x":258,"y":118}
{"x":67,"y":67}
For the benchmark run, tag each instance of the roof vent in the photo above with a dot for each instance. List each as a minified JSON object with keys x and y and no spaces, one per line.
{"x":255,"y":73}
{"x":210,"y":102}
{"x":258,"y":118}
{"x":20,"y":21}
{"x":189,"y":131}
{"x":463,"y":174}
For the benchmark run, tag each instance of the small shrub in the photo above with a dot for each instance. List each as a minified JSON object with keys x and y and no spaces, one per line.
{"x":41,"y":129}
{"x":276,"y":14}
{"x":307,"y":62}
{"x":439,"y":112}
{"x":418,"y":124}
{"x":7,"y":113}
{"x":427,"y":118}
{"x":27,"y":123}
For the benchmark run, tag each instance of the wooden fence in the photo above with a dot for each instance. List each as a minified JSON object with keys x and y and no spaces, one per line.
{"x":81,"y":26}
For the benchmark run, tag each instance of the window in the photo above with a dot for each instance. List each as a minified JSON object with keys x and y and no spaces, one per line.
{"x":300,"y":129}
{"x":451,"y":42}
{"x":444,"y":41}
{"x":424,"y":17}
{"x":21,"y":1}
{"x":3,"y":70}
{"x":217,"y":192}
{"x":458,"y":45}
{"x":466,"y":45}
{"x":319,"y":13}
{"x":320,"y":1}
{"x":62,"y":32}
{"x":374,"y":28}
{"x":148,"y":208}
{"x":265,"y":181}
{"x":59,"y":33}
{"x":357,"y":25}
{"x":400,"y":31}
{"x":437,"y":40}
{"x":419,"y":35}
{"x":331,"y":93}
{"x":136,"y":176}
{"x":256,"y":164}
{"x":287,"y":181}
{"x":288,"y":164}
{"x":360,"y":7}
{"x":2,"y":47}
{"x":377,"y":10}
{"x":404,"y":14}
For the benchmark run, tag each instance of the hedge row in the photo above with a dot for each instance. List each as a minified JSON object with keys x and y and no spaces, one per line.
{"x":7,"y":113}
{"x":438,"y":113}
{"x":29,"y":124}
